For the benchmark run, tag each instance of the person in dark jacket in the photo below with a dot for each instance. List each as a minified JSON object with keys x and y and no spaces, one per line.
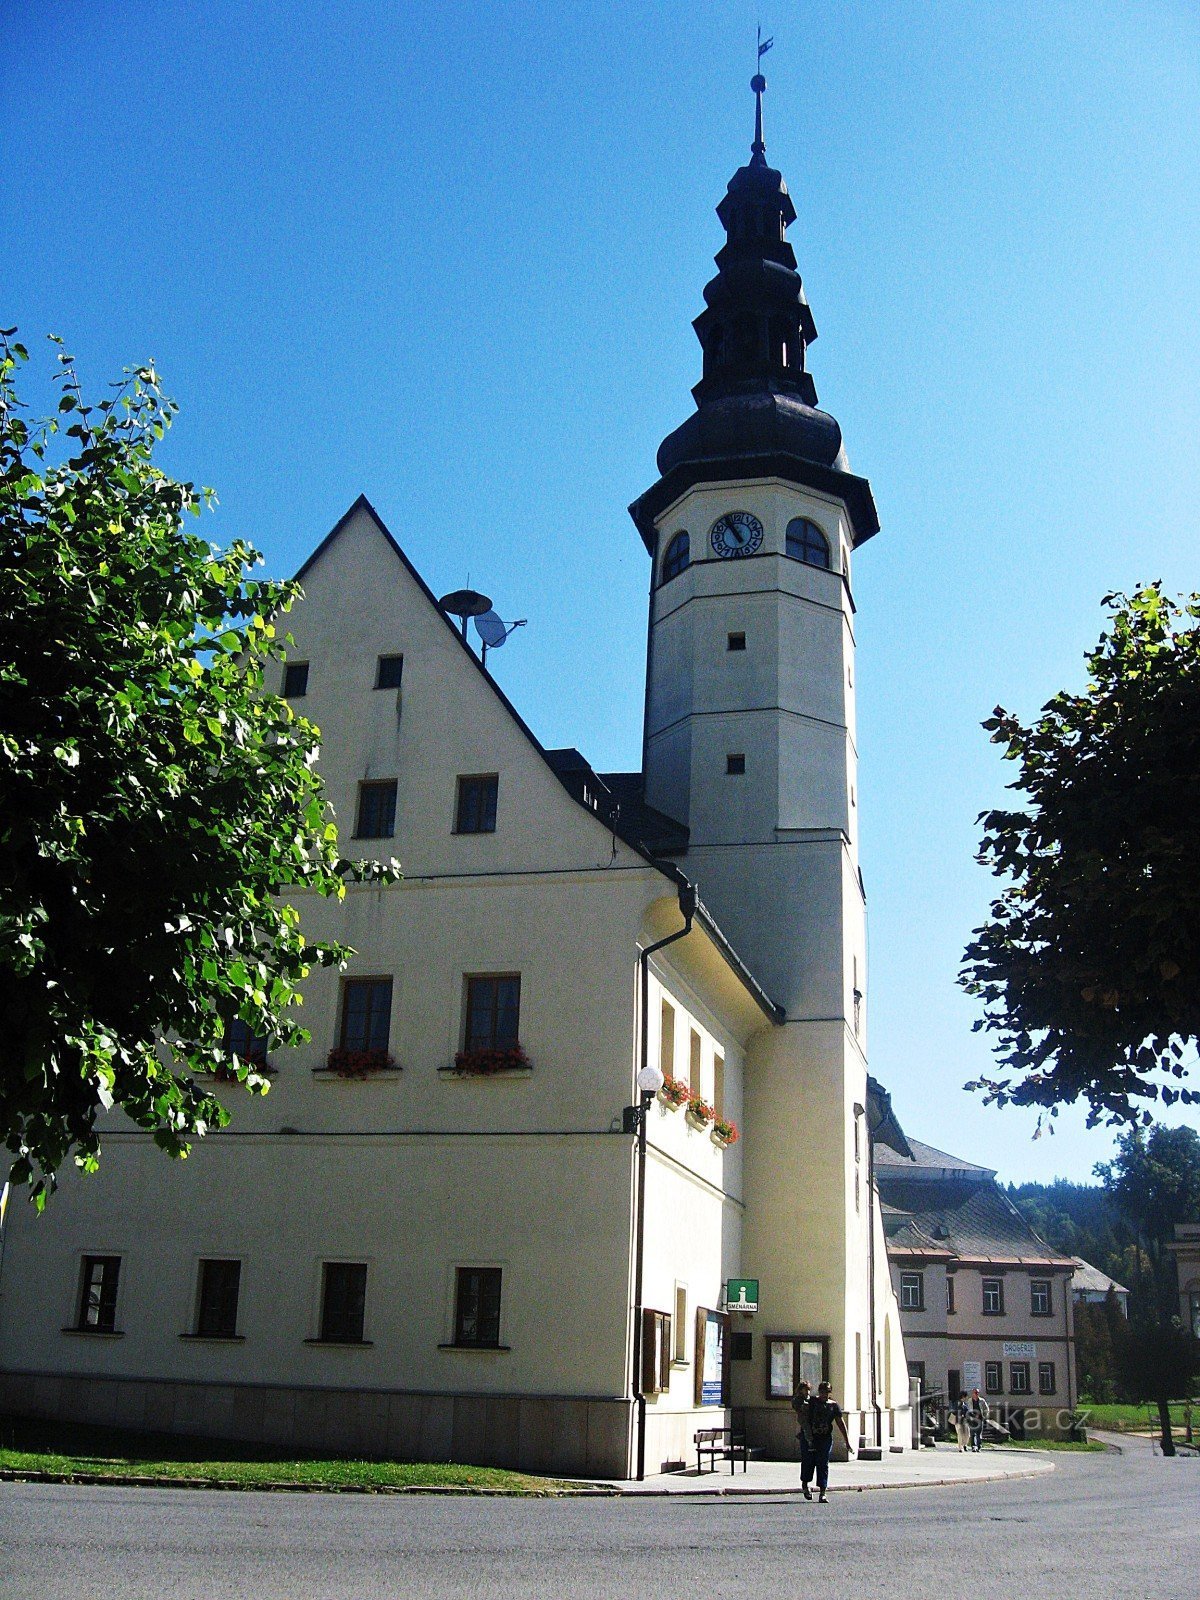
{"x":824,"y":1414}
{"x":808,"y":1461}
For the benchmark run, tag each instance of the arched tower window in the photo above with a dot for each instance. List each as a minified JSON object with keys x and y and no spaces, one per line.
{"x":806,"y":542}
{"x":677,"y":557}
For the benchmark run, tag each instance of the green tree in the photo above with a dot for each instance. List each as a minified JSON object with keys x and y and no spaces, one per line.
{"x":156,"y":801}
{"x":1155,"y":1179}
{"x":1089,"y":967}
{"x":1158,"y":1361}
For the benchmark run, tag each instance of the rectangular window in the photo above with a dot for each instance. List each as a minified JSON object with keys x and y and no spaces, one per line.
{"x":477,"y":1307}
{"x":493,"y":1012}
{"x":949,"y":1294}
{"x":1018,"y":1377}
{"x":1046,"y":1377}
{"x":735,"y":766}
{"x":679,"y":1324}
{"x":737,"y":641}
{"x":993,"y":1297}
{"x":1039,"y":1297}
{"x":241,"y":1040}
{"x":366,"y":1013}
{"x":476,"y":809}
{"x":916,"y":1369}
{"x":792,"y":1357}
{"x":217,"y":1301}
{"x":694,"y":1062}
{"x":719,"y":1084}
{"x":376,"y":810}
{"x":295,"y":680}
{"x":912,"y":1291}
{"x":993,"y":1377}
{"x":98,"y":1294}
{"x":656,"y":1352}
{"x":343,"y":1302}
{"x":391,"y":670}
{"x":666,"y":1041}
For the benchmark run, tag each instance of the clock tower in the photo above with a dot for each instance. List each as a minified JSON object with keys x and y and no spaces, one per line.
{"x":749,"y":741}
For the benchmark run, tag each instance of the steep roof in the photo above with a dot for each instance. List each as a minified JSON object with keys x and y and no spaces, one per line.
{"x":1092,"y":1280}
{"x":929,"y":1163}
{"x":940,"y":1207}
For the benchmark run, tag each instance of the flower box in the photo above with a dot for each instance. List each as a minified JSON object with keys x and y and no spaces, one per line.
{"x":487,"y":1063}
{"x":674,"y":1093}
{"x":699,"y":1112}
{"x":724,"y":1132}
{"x":358,"y":1063}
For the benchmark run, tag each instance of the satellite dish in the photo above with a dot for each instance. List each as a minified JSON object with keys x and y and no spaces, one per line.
{"x":491,"y":630}
{"x":464,"y":603}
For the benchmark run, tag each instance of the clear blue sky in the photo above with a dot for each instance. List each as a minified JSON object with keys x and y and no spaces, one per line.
{"x":448,"y":255}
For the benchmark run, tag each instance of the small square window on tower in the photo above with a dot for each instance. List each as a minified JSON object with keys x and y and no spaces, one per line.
{"x":735,"y":766}
{"x":737,"y":641}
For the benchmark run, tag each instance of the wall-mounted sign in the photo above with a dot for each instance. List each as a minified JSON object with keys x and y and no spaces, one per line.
{"x":1020,"y":1350}
{"x":791,"y":1357}
{"x":741,"y":1294}
{"x":712,"y":1359}
{"x":972,"y":1375}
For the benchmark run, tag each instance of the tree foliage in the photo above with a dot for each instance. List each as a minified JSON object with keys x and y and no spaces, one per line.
{"x":1155,"y":1179}
{"x":1089,"y":967}
{"x":156,"y":800}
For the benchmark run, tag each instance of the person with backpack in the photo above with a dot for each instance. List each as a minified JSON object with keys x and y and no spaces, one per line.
{"x":824,"y":1414}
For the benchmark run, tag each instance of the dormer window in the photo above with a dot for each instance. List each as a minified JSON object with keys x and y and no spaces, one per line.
{"x":677,"y":557}
{"x":806,"y":542}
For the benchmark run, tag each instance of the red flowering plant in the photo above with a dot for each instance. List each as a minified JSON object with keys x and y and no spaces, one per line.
{"x":486,"y":1062}
{"x":674,"y":1091}
{"x":358,"y":1063}
{"x":725,"y":1130}
{"x":699,"y":1109}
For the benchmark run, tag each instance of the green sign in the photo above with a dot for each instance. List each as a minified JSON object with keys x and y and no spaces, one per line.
{"x":741,"y":1294}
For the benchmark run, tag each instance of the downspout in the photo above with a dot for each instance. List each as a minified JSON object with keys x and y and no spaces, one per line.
{"x":688,"y":900}
{"x":871,"y":1280}
{"x":1068,"y":1351}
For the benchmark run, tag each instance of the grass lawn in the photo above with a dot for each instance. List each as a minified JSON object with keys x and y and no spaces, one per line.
{"x":90,"y":1453}
{"x":1123,"y":1418}
{"x":1052,"y":1444}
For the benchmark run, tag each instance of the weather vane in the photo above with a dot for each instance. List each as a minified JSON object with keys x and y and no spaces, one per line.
{"x":758,"y":83}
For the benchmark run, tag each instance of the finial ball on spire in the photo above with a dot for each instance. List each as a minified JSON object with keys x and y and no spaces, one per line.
{"x":758,"y":83}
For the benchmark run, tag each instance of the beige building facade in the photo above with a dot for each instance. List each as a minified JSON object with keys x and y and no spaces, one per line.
{"x":984,"y":1302}
{"x":442,"y":1234}
{"x":1185,"y":1247}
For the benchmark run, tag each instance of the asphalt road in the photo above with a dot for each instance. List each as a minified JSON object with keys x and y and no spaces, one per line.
{"x":1099,"y":1526}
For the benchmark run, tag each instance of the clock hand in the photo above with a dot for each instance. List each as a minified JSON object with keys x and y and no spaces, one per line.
{"x":739,"y":538}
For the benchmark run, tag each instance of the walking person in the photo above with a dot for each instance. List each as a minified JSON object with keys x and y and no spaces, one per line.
{"x":824,"y":1415}
{"x":978,"y":1412}
{"x":808,"y":1461}
{"x":962,"y":1427}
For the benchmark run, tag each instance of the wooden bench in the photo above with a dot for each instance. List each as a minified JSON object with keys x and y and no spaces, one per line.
{"x":720,"y":1442}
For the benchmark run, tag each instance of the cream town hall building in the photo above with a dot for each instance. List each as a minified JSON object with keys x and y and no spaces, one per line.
{"x":457,"y":1227}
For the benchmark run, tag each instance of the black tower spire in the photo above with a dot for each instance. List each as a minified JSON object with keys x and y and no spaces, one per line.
{"x":756,"y":402}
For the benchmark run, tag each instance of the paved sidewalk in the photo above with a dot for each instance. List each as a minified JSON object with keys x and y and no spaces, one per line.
{"x":943,"y":1465}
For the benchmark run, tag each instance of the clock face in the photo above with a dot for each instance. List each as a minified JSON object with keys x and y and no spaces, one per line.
{"x":737,"y":533}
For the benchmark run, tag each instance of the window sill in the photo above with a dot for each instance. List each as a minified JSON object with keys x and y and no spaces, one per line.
{"x":1042,"y":1314}
{"x":214,"y":1338}
{"x":327,"y":1073}
{"x":96,"y":1333}
{"x":449,"y":1073}
{"x":342,"y":1344}
{"x":478,"y":1349}
{"x":370,"y":838}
